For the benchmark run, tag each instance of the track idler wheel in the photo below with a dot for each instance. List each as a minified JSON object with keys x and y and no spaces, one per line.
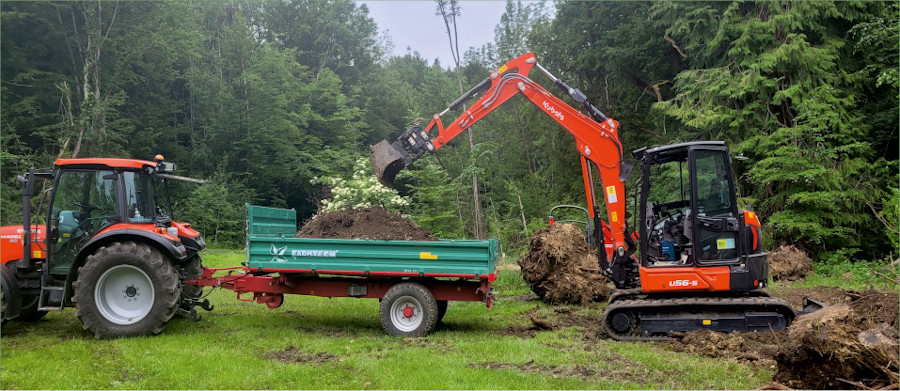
{"x":622,"y":323}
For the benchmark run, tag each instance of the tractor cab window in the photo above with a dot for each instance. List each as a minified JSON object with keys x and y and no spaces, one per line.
{"x":140,"y":199}
{"x":84,"y":204}
{"x":161,"y":197}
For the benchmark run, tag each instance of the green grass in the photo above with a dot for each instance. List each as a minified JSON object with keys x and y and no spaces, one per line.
{"x":229,"y":346}
{"x":857,"y":275}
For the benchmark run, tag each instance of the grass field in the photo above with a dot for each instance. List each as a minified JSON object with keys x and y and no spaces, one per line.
{"x":314,"y":343}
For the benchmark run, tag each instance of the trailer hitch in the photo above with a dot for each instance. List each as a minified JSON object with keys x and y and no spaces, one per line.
{"x":188,"y":308}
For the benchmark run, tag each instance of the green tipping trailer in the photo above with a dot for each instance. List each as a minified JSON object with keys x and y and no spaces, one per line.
{"x":415,"y":280}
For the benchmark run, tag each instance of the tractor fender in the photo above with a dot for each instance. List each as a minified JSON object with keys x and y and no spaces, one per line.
{"x":174,"y":251}
{"x":11,"y":293}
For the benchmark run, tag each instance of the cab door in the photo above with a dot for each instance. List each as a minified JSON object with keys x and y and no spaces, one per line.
{"x":84,"y":203}
{"x":714,"y":210}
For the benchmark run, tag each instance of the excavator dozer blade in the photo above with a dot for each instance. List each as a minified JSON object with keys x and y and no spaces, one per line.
{"x":387,"y":161}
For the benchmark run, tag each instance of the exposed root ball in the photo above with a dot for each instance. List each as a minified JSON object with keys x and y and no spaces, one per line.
{"x":561,"y":268}
{"x":832,"y":348}
{"x":371,"y":223}
{"x":788,"y":263}
{"x":849,"y":344}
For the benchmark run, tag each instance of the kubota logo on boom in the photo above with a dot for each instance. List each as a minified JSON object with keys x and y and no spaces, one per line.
{"x":552,"y":110}
{"x":684,"y":283}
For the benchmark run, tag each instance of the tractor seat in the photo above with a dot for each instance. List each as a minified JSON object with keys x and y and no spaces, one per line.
{"x":68,"y":226}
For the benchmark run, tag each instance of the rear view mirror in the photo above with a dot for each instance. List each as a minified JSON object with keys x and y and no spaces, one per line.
{"x":165,"y":167}
{"x":27,"y":182}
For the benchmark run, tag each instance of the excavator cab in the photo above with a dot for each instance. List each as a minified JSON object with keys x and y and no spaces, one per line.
{"x":689,"y":213}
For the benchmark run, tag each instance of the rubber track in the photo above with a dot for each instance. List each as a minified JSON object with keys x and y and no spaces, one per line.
{"x":693,"y":303}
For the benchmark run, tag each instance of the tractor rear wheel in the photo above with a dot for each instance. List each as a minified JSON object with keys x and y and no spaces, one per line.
{"x":126,"y":289}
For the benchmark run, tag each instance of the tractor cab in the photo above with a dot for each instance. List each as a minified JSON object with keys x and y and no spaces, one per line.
{"x":688,"y":208}
{"x":92,"y":197}
{"x":106,"y":232}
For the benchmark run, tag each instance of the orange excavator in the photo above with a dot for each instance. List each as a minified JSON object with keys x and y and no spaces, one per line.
{"x":699,"y":263}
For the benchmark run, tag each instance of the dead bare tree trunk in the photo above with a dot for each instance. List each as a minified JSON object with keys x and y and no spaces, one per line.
{"x":89,"y":42}
{"x":449,"y":10}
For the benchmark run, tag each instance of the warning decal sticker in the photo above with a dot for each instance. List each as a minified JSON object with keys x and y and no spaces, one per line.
{"x":611,"y":194}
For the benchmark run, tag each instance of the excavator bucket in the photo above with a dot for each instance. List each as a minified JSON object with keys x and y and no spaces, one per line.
{"x":387,"y":161}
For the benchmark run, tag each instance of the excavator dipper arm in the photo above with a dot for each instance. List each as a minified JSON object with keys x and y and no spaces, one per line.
{"x":597,"y":142}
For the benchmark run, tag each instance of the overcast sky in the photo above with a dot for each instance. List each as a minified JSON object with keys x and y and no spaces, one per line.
{"x":413,"y":24}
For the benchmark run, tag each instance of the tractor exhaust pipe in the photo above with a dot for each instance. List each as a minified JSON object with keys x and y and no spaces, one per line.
{"x":387,"y":161}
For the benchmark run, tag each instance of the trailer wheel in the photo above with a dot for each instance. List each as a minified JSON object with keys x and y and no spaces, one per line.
{"x":442,"y":309}
{"x":408,"y":309}
{"x":126,"y":289}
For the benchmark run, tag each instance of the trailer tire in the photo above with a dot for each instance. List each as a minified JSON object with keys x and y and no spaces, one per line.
{"x":408,"y":309}
{"x":441,"y":309}
{"x":127,"y":269}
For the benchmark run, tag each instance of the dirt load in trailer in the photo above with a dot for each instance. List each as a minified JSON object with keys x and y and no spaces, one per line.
{"x":415,"y":280}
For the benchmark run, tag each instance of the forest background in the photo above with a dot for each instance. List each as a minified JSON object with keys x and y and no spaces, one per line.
{"x":277,"y":102}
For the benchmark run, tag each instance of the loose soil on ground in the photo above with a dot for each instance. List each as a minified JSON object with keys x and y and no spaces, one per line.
{"x":561,"y":268}
{"x":293,"y":355}
{"x":367,"y":223}
{"x":851,"y":344}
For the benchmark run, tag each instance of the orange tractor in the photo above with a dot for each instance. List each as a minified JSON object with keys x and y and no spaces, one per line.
{"x":700,"y":263}
{"x":106,"y":244}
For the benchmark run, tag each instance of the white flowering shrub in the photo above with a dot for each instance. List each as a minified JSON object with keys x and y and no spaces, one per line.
{"x":362,"y":190}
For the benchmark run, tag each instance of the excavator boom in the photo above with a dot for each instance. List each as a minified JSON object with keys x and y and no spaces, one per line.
{"x":596,"y":136}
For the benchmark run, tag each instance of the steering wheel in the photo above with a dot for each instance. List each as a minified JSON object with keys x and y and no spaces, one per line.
{"x":86,"y":206}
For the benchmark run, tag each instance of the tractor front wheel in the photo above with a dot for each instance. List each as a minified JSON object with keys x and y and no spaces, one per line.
{"x":126,"y":289}
{"x":29,"y":311}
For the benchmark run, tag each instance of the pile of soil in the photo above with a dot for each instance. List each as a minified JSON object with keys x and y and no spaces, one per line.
{"x":788,"y":263}
{"x":852,"y":343}
{"x":561,"y":268}
{"x":368,"y":223}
